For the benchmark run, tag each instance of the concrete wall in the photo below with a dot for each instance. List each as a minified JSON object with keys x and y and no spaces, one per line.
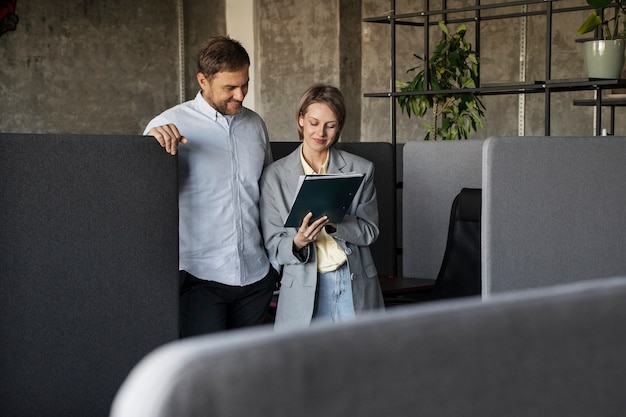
{"x":98,"y":66}
{"x":108,"y":66}
{"x":298,"y":46}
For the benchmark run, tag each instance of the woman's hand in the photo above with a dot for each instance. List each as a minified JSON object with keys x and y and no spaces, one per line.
{"x":308,"y":233}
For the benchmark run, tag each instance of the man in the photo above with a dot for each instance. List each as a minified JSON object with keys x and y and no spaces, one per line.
{"x":226,"y":278}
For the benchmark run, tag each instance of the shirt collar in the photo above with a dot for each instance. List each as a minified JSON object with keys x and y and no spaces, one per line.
{"x":307,"y":168}
{"x":207,"y":109}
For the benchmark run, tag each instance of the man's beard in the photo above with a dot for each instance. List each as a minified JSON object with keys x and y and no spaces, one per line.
{"x":229,"y":111}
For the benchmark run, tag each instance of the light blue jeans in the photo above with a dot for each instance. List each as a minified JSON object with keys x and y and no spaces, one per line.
{"x":334,"y":300}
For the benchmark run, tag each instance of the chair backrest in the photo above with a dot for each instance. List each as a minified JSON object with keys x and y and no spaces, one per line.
{"x":282,"y":149}
{"x":88,"y":267}
{"x":459,"y":274}
{"x":553,"y":210}
{"x":382,"y":155}
{"x":546,"y":352}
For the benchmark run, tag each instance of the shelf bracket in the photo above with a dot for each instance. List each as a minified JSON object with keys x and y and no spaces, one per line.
{"x":521,"y":98}
{"x":181,"y":51}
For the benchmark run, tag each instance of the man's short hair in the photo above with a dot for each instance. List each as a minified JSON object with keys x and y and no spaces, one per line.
{"x":221,"y":53}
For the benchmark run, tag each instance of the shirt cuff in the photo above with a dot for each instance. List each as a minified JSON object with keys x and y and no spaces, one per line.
{"x":302,"y":255}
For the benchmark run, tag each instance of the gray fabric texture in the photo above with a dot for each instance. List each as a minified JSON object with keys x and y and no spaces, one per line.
{"x":554,"y":351}
{"x":554,"y":210}
{"x":89,"y":267}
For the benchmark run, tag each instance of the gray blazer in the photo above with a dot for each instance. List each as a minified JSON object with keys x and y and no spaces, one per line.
{"x":358,"y":230}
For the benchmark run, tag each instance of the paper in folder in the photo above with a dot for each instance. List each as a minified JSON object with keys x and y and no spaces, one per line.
{"x":328,"y":194}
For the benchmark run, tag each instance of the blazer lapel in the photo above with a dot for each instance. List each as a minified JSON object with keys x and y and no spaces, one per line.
{"x":336,"y":164}
{"x":293,"y":170}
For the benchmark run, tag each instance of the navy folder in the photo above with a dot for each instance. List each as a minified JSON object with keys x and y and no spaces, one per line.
{"x":324,"y":195}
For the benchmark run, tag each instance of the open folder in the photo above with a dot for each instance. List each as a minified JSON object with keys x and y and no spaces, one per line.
{"x":323,"y":195}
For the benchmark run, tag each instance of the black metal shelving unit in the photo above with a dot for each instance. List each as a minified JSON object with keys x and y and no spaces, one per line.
{"x":546,"y":86}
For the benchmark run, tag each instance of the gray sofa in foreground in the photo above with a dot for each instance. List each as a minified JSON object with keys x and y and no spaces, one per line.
{"x":551,"y":351}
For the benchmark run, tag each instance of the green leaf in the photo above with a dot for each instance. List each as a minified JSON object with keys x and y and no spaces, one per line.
{"x":592,"y":22}
{"x":401,"y":84}
{"x":599,"y":4}
{"x":444,"y":28}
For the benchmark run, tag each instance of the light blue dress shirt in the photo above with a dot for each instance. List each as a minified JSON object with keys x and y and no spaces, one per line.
{"x":219,"y":170}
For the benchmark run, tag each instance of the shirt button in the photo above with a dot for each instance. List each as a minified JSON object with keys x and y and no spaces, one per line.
{"x":348,"y":251}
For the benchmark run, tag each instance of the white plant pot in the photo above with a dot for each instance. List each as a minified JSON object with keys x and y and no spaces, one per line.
{"x":604,"y":59}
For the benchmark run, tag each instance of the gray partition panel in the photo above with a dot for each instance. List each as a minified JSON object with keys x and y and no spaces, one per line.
{"x":434,"y":172}
{"x":553,"y":210}
{"x":88,"y":267}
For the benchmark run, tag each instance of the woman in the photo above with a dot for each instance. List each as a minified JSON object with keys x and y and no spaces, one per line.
{"x":328,"y":270}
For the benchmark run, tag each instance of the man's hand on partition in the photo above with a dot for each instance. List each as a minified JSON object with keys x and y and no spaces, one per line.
{"x":168,"y":137}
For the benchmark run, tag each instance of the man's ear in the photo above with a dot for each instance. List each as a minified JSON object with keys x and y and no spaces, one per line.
{"x":202,"y":80}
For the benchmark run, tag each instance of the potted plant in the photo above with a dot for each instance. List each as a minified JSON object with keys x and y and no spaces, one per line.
{"x":604,"y":57}
{"x":453,"y":65}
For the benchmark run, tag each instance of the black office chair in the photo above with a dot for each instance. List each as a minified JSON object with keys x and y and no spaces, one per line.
{"x":459,"y":274}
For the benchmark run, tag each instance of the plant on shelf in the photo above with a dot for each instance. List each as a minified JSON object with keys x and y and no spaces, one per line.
{"x":604,"y":58}
{"x":453,"y":65}
{"x":594,"y":20}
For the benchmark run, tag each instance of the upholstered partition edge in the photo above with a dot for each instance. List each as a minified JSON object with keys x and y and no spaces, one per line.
{"x":548,"y":351}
